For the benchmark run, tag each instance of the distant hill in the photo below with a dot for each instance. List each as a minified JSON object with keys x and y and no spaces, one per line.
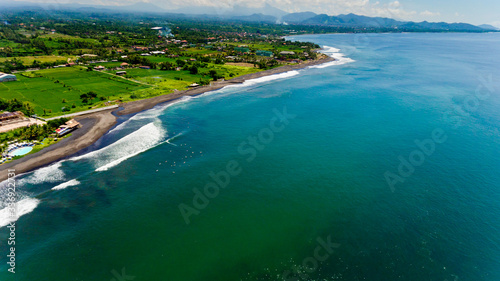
{"x":352,"y":20}
{"x":297,"y":17}
{"x":235,"y":11}
{"x":140,"y":7}
{"x":488,"y":27}
{"x":356,"y":21}
{"x":265,"y":14}
{"x":436,"y":26}
{"x":256,"y":18}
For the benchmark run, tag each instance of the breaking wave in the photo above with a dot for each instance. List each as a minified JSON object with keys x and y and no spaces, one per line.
{"x":22,"y":207}
{"x":335,"y":53}
{"x":139,"y":141}
{"x":66,"y":184}
{"x":51,"y":173}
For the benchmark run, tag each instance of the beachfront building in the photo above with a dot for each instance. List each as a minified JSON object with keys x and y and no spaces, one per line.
{"x":11,"y":117}
{"x":264,"y":53}
{"x":69,"y":126}
{"x":4,"y":77}
{"x":287,"y":53}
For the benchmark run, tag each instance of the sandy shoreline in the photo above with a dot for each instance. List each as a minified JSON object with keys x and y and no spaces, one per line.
{"x":95,"y":125}
{"x":140,"y":105}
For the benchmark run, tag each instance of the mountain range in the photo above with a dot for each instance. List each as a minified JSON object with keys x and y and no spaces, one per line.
{"x":267,"y":14}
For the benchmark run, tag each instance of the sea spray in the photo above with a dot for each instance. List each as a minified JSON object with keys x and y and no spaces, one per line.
{"x":23,"y":207}
{"x":66,"y":184}
{"x":139,"y":141}
{"x":335,"y":53}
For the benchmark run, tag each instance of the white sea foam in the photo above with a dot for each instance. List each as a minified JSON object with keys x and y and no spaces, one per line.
{"x":152,"y":113}
{"x":51,"y":173}
{"x":271,"y":77}
{"x":139,"y":141}
{"x":153,"y":144}
{"x":158,"y":110}
{"x":22,"y":207}
{"x":117,"y":161}
{"x":334,"y":53}
{"x":174,"y":137}
{"x":247,"y":83}
{"x":268,"y":78}
{"x":66,"y":184}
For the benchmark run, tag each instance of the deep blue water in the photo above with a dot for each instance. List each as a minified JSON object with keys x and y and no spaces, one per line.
{"x":319,"y":175}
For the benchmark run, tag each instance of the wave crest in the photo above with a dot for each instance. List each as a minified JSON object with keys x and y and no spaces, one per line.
{"x":22,"y":207}
{"x":132,"y":144}
{"x":335,"y":53}
{"x":66,"y":184}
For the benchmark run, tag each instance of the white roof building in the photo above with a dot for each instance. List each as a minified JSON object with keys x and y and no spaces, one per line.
{"x":4,"y":77}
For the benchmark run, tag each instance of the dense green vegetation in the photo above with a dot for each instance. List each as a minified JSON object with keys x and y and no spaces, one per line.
{"x":16,"y":105}
{"x":55,"y":57}
{"x":32,"y":133}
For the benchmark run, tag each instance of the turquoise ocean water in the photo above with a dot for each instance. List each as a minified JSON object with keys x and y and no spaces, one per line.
{"x":302,"y":161}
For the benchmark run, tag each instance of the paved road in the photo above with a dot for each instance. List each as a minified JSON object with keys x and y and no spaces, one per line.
{"x":83,"y":112}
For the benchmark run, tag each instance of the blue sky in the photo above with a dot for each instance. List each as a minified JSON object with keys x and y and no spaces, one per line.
{"x":475,"y":12}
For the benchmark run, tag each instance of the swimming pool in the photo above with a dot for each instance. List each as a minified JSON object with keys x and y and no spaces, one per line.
{"x":21,"y":151}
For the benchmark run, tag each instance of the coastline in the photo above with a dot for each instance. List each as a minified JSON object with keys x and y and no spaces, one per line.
{"x":141,"y":105}
{"x":95,"y":125}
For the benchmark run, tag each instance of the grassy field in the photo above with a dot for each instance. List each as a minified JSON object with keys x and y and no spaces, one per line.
{"x":29,"y":59}
{"x":64,"y":36}
{"x":159,"y":59}
{"x":6,"y":43}
{"x":155,"y":76}
{"x":108,"y":64}
{"x":267,"y":47}
{"x":200,"y":51}
{"x":235,"y":70}
{"x":164,"y":81}
{"x":46,"y":89}
{"x":53,"y":85}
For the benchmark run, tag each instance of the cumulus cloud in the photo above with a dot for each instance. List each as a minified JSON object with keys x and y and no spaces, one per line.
{"x":393,"y":9}
{"x":496,"y":24}
{"x":427,"y":13}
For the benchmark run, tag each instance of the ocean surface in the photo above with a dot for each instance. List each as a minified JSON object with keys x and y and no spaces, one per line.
{"x":384,"y":165}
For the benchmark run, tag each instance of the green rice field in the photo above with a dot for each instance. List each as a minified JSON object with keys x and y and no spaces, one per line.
{"x":47,"y":89}
{"x":28,"y":60}
{"x":57,"y":91}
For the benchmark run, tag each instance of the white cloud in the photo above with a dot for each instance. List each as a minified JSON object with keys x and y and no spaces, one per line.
{"x":427,"y":13}
{"x":393,"y":9}
{"x":394,"y":5}
{"x":496,"y":24}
